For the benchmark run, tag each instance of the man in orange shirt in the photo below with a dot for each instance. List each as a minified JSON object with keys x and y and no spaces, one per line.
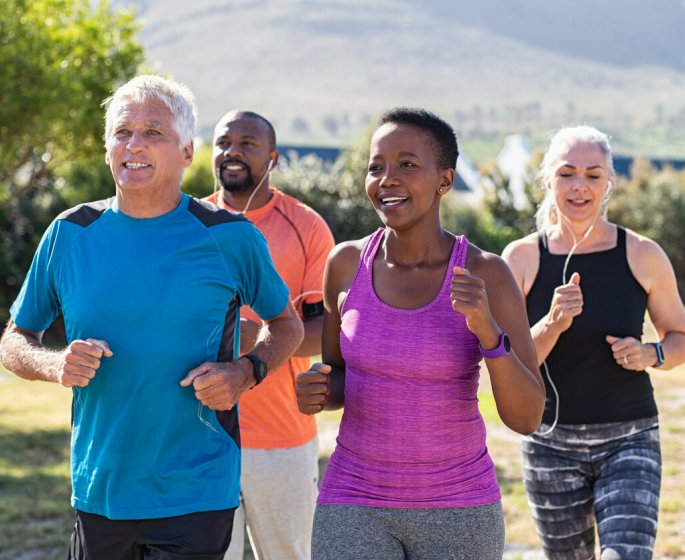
{"x":279,"y":444}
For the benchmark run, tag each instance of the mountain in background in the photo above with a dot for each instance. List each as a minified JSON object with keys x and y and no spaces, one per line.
{"x":322,"y":69}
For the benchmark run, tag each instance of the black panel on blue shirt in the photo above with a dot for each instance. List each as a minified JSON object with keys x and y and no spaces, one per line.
{"x":227,"y":338}
{"x":211,"y":215}
{"x":229,"y":422}
{"x":85,"y":214}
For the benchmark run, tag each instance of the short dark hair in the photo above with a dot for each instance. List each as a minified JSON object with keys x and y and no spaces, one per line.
{"x":446,"y":148}
{"x":239,"y":113}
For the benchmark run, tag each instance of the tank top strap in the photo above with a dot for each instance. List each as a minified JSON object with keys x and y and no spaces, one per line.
{"x":621,"y":239}
{"x":542,"y":243}
{"x":362,"y":283}
{"x":459,"y":252}
{"x":370,"y":247}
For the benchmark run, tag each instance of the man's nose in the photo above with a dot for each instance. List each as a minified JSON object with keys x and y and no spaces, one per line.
{"x":135,"y":142}
{"x":232,"y":150}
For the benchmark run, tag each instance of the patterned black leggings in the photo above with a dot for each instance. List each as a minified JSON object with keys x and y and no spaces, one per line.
{"x":606,"y":475}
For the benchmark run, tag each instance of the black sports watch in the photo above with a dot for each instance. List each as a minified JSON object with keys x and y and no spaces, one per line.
{"x":659,"y":354}
{"x":258,"y":368}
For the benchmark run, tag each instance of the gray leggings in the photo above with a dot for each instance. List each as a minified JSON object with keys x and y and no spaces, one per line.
{"x":603,"y":475}
{"x":343,"y":532}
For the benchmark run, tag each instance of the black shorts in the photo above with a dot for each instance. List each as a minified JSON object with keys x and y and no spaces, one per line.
{"x":195,"y":536}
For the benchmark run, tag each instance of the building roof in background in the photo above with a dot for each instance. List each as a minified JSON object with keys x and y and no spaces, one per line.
{"x":467,"y":178}
{"x":622,"y":164}
{"x":329,"y":155}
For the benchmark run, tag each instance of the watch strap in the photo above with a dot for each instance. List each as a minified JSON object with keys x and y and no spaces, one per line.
{"x":258,"y":368}
{"x":503,"y":348}
{"x":659,"y":354}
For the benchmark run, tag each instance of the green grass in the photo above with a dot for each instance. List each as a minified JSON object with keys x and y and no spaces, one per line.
{"x":34,"y":469}
{"x":36,"y":519}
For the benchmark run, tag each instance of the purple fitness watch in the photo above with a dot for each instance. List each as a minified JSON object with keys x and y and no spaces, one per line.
{"x":502,"y":349}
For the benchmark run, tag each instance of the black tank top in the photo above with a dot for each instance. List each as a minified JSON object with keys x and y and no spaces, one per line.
{"x":592,"y":387}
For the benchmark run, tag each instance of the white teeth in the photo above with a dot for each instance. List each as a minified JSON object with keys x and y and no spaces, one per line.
{"x":135,"y":165}
{"x":392,"y":200}
{"x":233,"y":167}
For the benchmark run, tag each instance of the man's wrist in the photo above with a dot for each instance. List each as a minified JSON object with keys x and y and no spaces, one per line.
{"x":259,"y":368}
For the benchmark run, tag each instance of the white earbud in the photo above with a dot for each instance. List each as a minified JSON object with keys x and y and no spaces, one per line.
{"x":271,"y":164}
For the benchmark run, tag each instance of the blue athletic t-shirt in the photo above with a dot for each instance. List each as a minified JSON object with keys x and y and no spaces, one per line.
{"x":165,"y":293}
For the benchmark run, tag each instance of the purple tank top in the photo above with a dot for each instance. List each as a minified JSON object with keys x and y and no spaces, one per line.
{"x":411,"y":435}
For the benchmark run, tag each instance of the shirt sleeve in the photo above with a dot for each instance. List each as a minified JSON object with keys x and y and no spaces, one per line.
{"x":319,"y":244}
{"x":262,"y":288}
{"x":37,"y":304}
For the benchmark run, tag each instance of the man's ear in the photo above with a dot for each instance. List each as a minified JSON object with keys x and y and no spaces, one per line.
{"x":274,"y":160}
{"x":188,"y":153}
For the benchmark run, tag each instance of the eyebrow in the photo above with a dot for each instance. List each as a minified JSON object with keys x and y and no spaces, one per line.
{"x":574,"y":167}
{"x":226,"y":133}
{"x":148,"y":124}
{"x":155,"y":124}
{"x":401,"y":154}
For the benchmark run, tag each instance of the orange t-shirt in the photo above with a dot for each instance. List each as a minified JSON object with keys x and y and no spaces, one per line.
{"x":299,"y":241}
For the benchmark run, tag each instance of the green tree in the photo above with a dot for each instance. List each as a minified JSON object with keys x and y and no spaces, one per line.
{"x":58,"y":60}
{"x":495,"y":221}
{"x":198,"y":180}
{"x":652,"y":203}
{"x":334,"y":190}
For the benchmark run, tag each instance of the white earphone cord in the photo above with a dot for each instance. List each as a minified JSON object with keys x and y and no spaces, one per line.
{"x":563,"y":281}
{"x":254,"y":191}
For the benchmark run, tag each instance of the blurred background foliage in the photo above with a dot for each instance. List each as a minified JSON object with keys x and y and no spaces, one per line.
{"x":58,"y":60}
{"x":60,"y":68}
{"x":650,"y":201}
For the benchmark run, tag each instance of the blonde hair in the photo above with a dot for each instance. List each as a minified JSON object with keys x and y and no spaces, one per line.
{"x":176,"y":96}
{"x":547,"y":213}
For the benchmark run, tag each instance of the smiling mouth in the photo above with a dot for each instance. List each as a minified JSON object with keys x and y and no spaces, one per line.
{"x":391,"y":201}
{"x":136,"y":165}
{"x":233,"y":167}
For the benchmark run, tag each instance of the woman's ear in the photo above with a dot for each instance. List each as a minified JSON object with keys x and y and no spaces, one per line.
{"x":446,"y":181}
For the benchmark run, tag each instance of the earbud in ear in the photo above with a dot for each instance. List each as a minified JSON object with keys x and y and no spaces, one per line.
{"x":271,"y":164}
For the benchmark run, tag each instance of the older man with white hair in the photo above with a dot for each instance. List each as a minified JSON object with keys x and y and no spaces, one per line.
{"x":150,"y":283}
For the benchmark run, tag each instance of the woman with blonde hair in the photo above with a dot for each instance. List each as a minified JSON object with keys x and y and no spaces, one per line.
{"x":594,"y":464}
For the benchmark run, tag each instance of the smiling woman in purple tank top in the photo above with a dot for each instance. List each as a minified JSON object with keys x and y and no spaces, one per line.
{"x":410,"y":311}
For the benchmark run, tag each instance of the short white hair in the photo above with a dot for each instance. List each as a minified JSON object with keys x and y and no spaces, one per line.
{"x":176,"y":96}
{"x":546,"y":215}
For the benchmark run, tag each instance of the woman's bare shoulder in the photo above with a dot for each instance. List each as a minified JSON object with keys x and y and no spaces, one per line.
{"x":347,"y":252}
{"x":522,"y":249}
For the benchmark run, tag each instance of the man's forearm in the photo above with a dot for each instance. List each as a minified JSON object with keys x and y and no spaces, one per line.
{"x":279,"y":338}
{"x":22,"y":353}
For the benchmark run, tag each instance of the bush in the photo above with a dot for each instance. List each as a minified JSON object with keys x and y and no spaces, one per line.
{"x":652,"y":203}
